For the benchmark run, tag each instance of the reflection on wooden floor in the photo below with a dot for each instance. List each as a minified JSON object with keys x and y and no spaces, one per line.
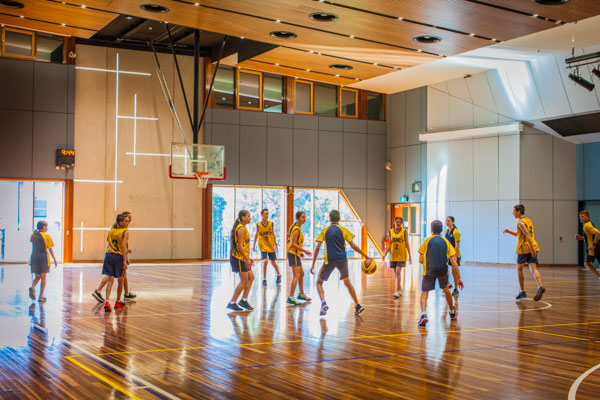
{"x":178,"y":341}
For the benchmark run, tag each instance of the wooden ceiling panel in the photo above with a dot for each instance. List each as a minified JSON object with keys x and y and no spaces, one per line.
{"x":576,"y":10}
{"x":54,"y":29}
{"x":279,"y":70}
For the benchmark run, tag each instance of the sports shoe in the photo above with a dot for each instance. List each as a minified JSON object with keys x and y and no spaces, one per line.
{"x":455,"y":292}
{"x":397,"y":294}
{"x":293,"y":301}
{"x":521,"y":295}
{"x":130,"y":295}
{"x":42,"y":299}
{"x":107,"y":306}
{"x":450,"y":286}
{"x":423,"y":320}
{"x":278,"y":281}
{"x":32,"y":293}
{"x":246,"y":305}
{"x":264,"y":282}
{"x":453,"y":313}
{"x":324,"y":308}
{"x":540,"y":292}
{"x":303,"y":296}
{"x":96,"y":294}
{"x":234,"y":307}
{"x":358,"y":309}
{"x":119,"y":304}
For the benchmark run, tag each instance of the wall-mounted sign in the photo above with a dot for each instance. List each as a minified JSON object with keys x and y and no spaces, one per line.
{"x":416,"y":187}
{"x":65,"y":158}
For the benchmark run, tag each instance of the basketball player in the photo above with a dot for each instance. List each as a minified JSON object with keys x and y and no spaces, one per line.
{"x":398,"y":239}
{"x":115,"y":261}
{"x":590,"y":235}
{"x":240,"y":261}
{"x":434,"y":254}
{"x":527,"y":249}
{"x":40,"y":261}
{"x":335,"y":238}
{"x":267,"y":245}
{"x":295,"y":251}
{"x":453,"y":236}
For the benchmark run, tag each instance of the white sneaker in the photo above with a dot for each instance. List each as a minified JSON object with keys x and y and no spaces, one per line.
{"x":397,"y":294}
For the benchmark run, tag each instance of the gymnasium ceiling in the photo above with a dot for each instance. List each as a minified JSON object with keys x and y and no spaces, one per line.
{"x":374,"y":37}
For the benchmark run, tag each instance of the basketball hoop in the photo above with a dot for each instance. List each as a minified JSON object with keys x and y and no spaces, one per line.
{"x":203,"y":177}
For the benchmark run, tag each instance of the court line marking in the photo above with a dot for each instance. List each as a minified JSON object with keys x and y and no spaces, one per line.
{"x":548,"y":305}
{"x":575,"y":385}
{"x":103,"y":378}
{"x":554,"y":334}
{"x":345,"y":338}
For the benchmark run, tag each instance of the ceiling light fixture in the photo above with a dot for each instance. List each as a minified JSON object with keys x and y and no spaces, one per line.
{"x":596,"y":71}
{"x":581,"y":81}
{"x":428,"y":39}
{"x":344,"y":67}
{"x":277,"y":20}
{"x":83,"y":6}
{"x":129,"y":17}
{"x":323,"y":17}
{"x":197,"y":4}
{"x":283,"y":35}
{"x":400,"y":18}
{"x":11,"y":4}
{"x":155,"y":8}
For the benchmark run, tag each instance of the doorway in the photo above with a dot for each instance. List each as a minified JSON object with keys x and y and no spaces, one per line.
{"x":411,"y":215}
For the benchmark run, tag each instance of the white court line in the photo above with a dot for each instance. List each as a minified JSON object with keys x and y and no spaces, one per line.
{"x":548,"y":305}
{"x":128,"y":374}
{"x":575,"y":385}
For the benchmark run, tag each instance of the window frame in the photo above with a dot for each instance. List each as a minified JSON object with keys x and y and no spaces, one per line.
{"x":22,"y":31}
{"x":312,"y":97}
{"x":383,"y":105}
{"x":355,"y":91}
{"x":237,"y":89}
{"x":283,"y":93}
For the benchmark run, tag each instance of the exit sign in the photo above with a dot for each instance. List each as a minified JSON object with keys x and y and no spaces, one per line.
{"x":403,"y":199}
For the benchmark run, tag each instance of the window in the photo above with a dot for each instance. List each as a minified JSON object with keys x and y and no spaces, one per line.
{"x":249,"y":94}
{"x":375,"y":106}
{"x":304,"y":97}
{"x":273,"y":93}
{"x":325,"y":100}
{"x":223,"y":89}
{"x":18,"y":43}
{"x":348,"y":103}
{"x":49,"y":48}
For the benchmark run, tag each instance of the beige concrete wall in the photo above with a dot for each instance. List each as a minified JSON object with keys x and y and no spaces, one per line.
{"x":155,"y":200}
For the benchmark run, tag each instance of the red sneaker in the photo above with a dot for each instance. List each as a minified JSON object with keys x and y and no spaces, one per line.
{"x":107,"y":306}
{"x":119,"y":304}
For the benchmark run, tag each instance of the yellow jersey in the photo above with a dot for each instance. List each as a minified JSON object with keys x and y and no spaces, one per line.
{"x":49,"y":244}
{"x":115,"y":240}
{"x":453,"y":237}
{"x":246,"y":245}
{"x":589,"y":230}
{"x":523,"y":246}
{"x":299,"y":241}
{"x":266,"y":237}
{"x":397,"y":245}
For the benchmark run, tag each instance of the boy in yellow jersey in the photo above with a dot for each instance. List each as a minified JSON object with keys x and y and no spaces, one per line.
{"x":335,"y":238}
{"x":115,"y":261}
{"x":295,"y":251}
{"x":590,"y":235}
{"x":434,"y":254}
{"x":240,"y":261}
{"x":267,"y":245}
{"x":398,"y":239}
{"x":40,"y":261}
{"x":453,"y":236}
{"x":527,"y":249}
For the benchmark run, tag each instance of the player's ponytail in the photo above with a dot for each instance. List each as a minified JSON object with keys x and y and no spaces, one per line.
{"x":238,"y":221}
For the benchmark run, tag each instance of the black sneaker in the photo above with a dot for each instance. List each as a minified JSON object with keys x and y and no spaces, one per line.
{"x":96,"y":294}
{"x":455,"y":292}
{"x":453,"y":314}
{"x":246,"y":305}
{"x":449,"y":286}
{"x":521,"y":295}
{"x":130,"y":296}
{"x":540,"y":292}
{"x":324,"y":308}
{"x":278,"y":281}
{"x":264,"y":282}
{"x":234,"y":307}
{"x":358,"y":309}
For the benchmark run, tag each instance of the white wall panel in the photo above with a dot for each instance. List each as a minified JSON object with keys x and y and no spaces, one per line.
{"x":397,"y":175}
{"x":507,"y":244}
{"x":541,"y":214}
{"x":524,"y":90}
{"x":413,"y":172}
{"x":481,"y":92}
{"x":462,"y":211}
{"x":508,"y":167}
{"x":482,"y":117}
{"x":458,"y":88}
{"x":358,"y":199}
{"x":306,"y":158}
{"x":460,"y":171}
{"x":376,"y":157}
{"x":565,"y":228}
{"x":565,"y":169}
{"x":438,"y":163}
{"x":375,"y":217}
{"x":438,"y":110}
{"x":550,"y":86}
{"x":485,"y":222}
{"x":253,"y":158}
{"x":396,"y":118}
{"x":436,"y":210}
{"x":442,"y":87}
{"x":536,"y":167}
{"x":501,"y":90}
{"x":461,"y":113}
{"x":413,"y":116}
{"x":485,"y":168}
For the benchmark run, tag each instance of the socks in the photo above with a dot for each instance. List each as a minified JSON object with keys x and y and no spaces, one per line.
{"x":245,"y":299}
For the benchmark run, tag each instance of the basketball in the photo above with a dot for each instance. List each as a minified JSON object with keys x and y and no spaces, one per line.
{"x":369,"y":269}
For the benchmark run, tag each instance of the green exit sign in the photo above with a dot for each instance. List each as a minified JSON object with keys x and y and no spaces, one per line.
{"x":403,"y":199}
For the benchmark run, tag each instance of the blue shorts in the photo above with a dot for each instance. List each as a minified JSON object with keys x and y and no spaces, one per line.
{"x":238,"y":265}
{"x":526,"y":259}
{"x":327,"y":269}
{"x":264,"y":254}
{"x":113,"y":265}
{"x":394,"y":264}
{"x":428,"y":282}
{"x":39,"y":263}
{"x":294,"y":260}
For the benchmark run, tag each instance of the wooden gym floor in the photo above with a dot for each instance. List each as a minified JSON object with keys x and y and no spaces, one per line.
{"x":179,"y":341}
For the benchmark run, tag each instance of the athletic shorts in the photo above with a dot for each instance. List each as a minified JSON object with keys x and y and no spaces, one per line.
{"x":457,"y":262}
{"x":39,"y":264}
{"x":526,"y":259}
{"x":428,"y":282}
{"x":238,"y":265}
{"x":264,"y":254}
{"x":294,"y":260}
{"x":327,"y":269}
{"x":394,"y":264}
{"x":113,"y":265}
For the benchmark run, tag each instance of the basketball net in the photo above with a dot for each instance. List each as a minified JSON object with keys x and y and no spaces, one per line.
{"x":203,"y":178}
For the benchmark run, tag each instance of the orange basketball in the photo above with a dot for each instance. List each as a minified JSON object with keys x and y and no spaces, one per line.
{"x":369,"y":269}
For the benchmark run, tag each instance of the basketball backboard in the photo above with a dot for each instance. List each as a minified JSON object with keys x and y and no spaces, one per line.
{"x":186,"y":159}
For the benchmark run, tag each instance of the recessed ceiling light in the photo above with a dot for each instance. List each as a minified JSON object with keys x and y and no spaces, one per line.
{"x":400,"y":18}
{"x":534,"y":15}
{"x":427,"y":39}
{"x":344,"y":67}
{"x":323,"y":17}
{"x":241,"y":37}
{"x":283,"y":35}
{"x":471,"y":34}
{"x":129,"y":17}
{"x":155,"y":8}
{"x":352,"y":36}
{"x":83,"y":6}
{"x":277,"y":64}
{"x":494,"y":40}
{"x":278,"y":20}
{"x":149,"y":28}
{"x":63,"y":24}
{"x":337,"y":75}
{"x":552,"y":2}
{"x":419,"y":50}
{"x":311,"y":51}
{"x":11,"y":4}
{"x":307,"y":70}
{"x":21,"y":16}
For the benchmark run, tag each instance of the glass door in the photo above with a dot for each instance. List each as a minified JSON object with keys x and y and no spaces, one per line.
{"x":411,"y":215}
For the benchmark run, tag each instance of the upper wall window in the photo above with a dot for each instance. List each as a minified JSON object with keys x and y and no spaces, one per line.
{"x":304,"y":97}
{"x":249,"y":90}
{"x":49,"y":48}
{"x":224,"y":88}
{"x":325,"y":100}
{"x":273,"y":93}
{"x":18,"y":43}
{"x":375,"y":106}
{"x":348,"y":103}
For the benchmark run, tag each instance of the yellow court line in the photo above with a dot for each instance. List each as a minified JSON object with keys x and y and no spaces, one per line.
{"x":350,"y":338}
{"x":554,"y":334}
{"x":103,"y":378}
